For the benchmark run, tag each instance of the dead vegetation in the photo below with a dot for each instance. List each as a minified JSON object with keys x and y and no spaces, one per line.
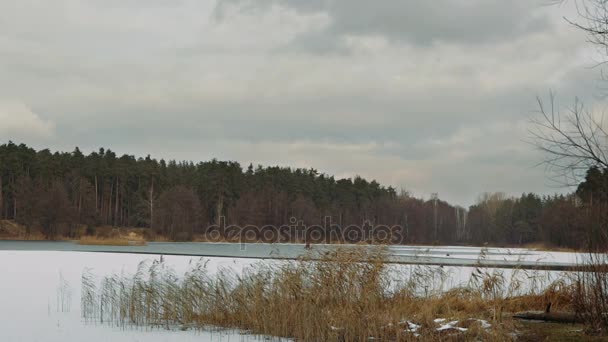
{"x":103,"y":235}
{"x":591,"y":292}
{"x":115,"y":238}
{"x":335,"y":298}
{"x":10,"y":230}
{"x":110,"y":242}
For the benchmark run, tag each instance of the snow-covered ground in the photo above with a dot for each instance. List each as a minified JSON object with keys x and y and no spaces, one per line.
{"x":40,"y":290}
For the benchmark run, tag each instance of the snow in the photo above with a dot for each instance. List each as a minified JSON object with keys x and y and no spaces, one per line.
{"x":484,"y":324}
{"x":441,"y":325}
{"x":412,"y":328}
{"x":450,"y":325}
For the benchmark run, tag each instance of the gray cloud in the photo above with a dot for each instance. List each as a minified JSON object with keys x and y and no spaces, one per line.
{"x":431,"y":96}
{"x":414,"y":22}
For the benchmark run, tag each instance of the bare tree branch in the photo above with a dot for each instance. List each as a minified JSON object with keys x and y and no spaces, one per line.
{"x":572,"y":142}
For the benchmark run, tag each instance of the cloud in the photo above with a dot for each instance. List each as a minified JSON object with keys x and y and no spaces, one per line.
{"x":413,"y":22}
{"x":18,"y":122}
{"x":418,"y":94}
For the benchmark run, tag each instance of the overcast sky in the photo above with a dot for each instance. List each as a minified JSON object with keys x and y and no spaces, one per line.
{"x":431,"y":96}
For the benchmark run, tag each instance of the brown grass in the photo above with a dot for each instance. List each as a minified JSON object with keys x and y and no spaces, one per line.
{"x":541,"y":246}
{"x":337,"y":298}
{"x":591,"y":292}
{"x":116,"y":241}
{"x":10,"y":230}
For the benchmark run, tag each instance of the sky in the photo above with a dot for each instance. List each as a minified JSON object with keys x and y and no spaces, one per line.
{"x":428,"y":96}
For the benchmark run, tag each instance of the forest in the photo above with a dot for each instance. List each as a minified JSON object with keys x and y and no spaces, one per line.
{"x":62,"y":193}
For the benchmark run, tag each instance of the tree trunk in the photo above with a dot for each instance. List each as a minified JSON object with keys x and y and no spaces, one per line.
{"x":559,"y":317}
{"x":151,"y":204}
{"x":219,"y":209}
{"x":79,"y":196}
{"x":102,"y":215}
{"x":116,"y":205}
{"x":109,"y":208}
{"x":96,"y":196}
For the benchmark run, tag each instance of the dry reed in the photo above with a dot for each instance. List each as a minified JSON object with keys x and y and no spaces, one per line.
{"x":591,"y":292}
{"x":117,"y":241}
{"x":336,"y":297}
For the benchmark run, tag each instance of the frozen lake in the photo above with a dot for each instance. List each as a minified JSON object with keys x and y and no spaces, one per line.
{"x":40,"y":298}
{"x":422,"y":255}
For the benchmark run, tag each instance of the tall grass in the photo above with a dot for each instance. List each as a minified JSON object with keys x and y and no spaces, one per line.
{"x":64,"y":295}
{"x":88,"y":296}
{"x":591,"y":294}
{"x":338,"y":297}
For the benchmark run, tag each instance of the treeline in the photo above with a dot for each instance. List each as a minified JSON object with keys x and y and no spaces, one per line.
{"x":577,"y":220}
{"x":59,"y":193}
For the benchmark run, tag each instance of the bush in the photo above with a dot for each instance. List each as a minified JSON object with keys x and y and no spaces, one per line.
{"x":115,"y":233}
{"x":103,"y":234}
{"x":90,"y":231}
{"x":183,"y":236}
{"x":149,"y":235}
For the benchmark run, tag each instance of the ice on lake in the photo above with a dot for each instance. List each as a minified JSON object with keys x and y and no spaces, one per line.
{"x":40,"y":298}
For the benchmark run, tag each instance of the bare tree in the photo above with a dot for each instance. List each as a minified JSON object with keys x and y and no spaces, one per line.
{"x":572,"y":141}
{"x":575,"y":140}
{"x":593,"y":20}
